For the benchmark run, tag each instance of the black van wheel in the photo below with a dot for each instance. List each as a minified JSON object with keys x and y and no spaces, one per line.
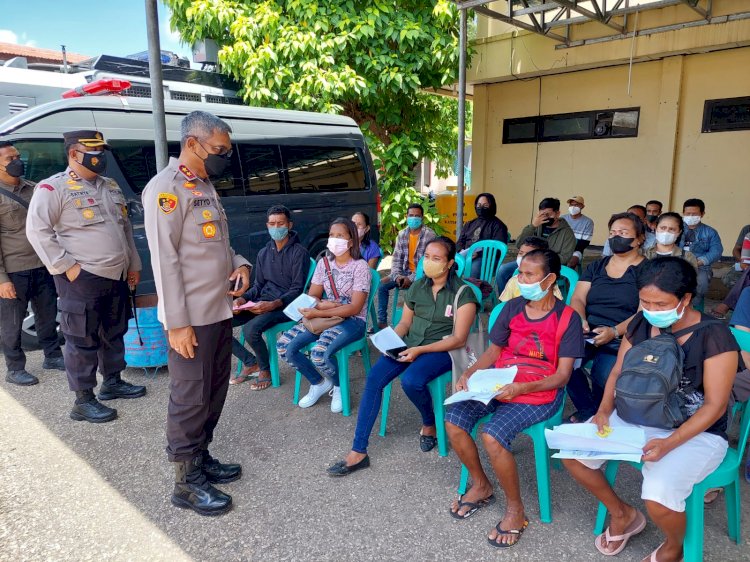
{"x":318,"y":248}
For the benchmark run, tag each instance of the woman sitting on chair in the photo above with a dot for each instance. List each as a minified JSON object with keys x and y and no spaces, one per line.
{"x":426,"y":328}
{"x":542,"y":337}
{"x":674,"y":459}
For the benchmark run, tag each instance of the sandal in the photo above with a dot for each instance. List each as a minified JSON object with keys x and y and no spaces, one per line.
{"x":578,"y":417}
{"x":262,"y":382}
{"x":474,"y":507}
{"x":711,"y":495}
{"x":717,"y":315}
{"x":652,"y":556}
{"x":635,"y":527}
{"x":501,"y":531}
{"x":244,"y":377}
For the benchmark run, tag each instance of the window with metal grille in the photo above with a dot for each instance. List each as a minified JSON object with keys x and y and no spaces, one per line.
{"x":184,"y":96}
{"x":730,"y":114}
{"x":138,"y":92}
{"x":210,"y":98}
{"x":583,"y":125}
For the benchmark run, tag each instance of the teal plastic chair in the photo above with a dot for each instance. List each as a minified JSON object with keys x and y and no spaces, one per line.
{"x":572,"y":278}
{"x":272,"y":334}
{"x":493,"y":254}
{"x":726,"y":476}
{"x":343,"y":355}
{"x":541,"y":451}
{"x":437,"y":393}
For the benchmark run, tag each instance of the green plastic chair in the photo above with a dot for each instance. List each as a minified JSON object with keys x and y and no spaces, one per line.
{"x":570,"y":275}
{"x":726,"y":476}
{"x":541,"y":451}
{"x":437,"y":393}
{"x":493,"y":254}
{"x":272,"y":334}
{"x":343,"y":355}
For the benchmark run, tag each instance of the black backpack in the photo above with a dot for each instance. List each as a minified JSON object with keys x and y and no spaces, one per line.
{"x":646,"y":392}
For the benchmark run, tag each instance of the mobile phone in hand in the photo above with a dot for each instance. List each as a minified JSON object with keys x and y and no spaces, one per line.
{"x":393,"y":353}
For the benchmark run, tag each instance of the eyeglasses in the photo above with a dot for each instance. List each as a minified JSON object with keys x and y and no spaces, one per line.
{"x":218,"y":150}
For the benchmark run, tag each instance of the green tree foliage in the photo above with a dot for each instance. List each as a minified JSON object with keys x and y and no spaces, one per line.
{"x":374,"y":61}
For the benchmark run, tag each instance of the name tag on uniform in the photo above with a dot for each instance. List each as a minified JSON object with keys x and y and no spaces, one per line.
{"x":449,"y":311}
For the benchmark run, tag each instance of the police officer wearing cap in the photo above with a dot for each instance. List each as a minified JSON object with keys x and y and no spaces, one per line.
{"x":197,"y":273}
{"x":78,"y":224}
{"x":23,"y":278}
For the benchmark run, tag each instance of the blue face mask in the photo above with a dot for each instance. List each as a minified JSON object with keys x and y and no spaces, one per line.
{"x":414,"y":222}
{"x":278,"y":232}
{"x":533,"y":291}
{"x":663,"y":318}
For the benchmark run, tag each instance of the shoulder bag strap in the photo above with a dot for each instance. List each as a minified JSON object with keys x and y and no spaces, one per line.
{"x":694,"y":327}
{"x":455,"y":303}
{"x":329,"y":273}
{"x":562,"y":327}
{"x":15,"y":198}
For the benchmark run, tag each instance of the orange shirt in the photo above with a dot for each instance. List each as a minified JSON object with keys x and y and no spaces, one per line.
{"x":413,"y":241}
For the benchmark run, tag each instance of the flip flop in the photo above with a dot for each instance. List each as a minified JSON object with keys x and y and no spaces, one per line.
{"x":635,"y":527}
{"x":652,"y":556}
{"x":502,"y":531}
{"x":261,"y":380}
{"x":717,"y":315}
{"x":474,"y":507}
{"x":712,"y":495}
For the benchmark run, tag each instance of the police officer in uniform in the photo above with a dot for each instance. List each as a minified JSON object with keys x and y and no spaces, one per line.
{"x":23,"y":278}
{"x":78,"y":224}
{"x":197,"y":273}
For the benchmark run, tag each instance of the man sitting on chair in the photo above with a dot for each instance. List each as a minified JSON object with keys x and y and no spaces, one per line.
{"x":543,"y":337}
{"x":280,"y":276}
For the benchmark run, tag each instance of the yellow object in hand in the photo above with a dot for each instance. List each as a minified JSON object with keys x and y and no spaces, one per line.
{"x":605,"y":432}
{"x":499,"y":387}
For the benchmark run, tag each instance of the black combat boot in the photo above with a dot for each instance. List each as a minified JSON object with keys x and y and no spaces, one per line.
{"x":193,"y":491}
{"x":21,"y":377}
{"x":114,"y":387}
{"x":219,"y":473}
{"x":88,"y":408}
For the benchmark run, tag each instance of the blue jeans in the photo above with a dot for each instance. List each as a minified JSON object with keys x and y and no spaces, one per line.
{"x":414,"y":379}
{"x":504,"y":273}
{"x":383,"y":292}
{"x":705,"y":274}
{"x":587,"y":399}
{"x":322,"y":360}
{"x":253,"y":326}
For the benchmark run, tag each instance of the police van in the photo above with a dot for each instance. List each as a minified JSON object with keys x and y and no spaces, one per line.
{"x":317,"y":165}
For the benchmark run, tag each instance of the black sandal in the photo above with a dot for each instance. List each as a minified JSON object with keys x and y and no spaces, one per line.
{"x":427,"y":442}
{"x":475,"y":506}
{"x":501,"y":531}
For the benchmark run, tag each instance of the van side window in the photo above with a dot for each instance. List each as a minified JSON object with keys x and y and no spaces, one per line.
{"x":42,"y":158}
{"x":313,"y":169}
{"x":261,"y":166}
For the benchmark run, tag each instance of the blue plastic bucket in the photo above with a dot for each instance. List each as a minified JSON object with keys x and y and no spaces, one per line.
{"x":153,"y":352}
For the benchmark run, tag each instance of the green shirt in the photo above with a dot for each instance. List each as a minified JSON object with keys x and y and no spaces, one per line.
{"x":433,"y":318}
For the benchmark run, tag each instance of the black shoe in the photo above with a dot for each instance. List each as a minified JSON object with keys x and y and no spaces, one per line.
{"x":54,"y":364}
{"x":115,"y":387}
{"x":340,"y":468}
{"x":427,"y":442}
{"x":193,"y":491}
{"x":219,"y":473}
{"x":21,"y":378}
{"x":93,"y":411}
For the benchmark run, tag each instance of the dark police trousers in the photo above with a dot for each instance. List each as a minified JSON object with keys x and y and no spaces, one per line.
{"x":197,"y":391}
{"x":94,"y":314}
{"x":35,"y":286}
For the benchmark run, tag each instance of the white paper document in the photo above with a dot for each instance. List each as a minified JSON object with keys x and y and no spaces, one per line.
{"x":582,"y":441}
{"x":484,"y":385}
{"x":387,"y":339}
{"x":302,"y":301}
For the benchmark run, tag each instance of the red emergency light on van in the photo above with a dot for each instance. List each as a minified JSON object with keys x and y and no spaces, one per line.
{"x":98,"y":87}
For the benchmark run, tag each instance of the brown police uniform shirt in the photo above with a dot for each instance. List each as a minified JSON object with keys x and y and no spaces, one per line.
{"x":16,"y":252}
{"x":188,"y":236}
{"x":72,"y":220}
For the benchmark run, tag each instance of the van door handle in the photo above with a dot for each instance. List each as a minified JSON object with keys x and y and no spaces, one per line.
{"x":296,"y":210}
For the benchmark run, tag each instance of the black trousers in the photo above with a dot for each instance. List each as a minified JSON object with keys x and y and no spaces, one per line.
{"x":35,"y":286}
{"x":253,"y":326}
{"x":94,"y":314}
{"x":197,"y":391}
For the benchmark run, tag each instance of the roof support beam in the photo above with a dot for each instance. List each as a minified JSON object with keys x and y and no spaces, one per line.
{"x":506,"y":19}
{"x":693,"y":5}
{"x":573,"y":5}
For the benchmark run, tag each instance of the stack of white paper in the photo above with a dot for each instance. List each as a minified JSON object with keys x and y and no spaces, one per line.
{"x":582,"y":441}
{"x":387,"y":339}
{"x":302,"y":301}
{"x":484,"y":385}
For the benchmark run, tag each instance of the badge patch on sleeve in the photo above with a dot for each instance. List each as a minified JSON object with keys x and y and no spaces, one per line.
{"x":88,"y":214}
{"x":209,"y":230}
{"x":207,"y":214}
{"x":167,"y":202}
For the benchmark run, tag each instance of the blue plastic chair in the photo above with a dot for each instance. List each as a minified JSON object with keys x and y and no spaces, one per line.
{"x":437,"y":393}
{"x":493,"y":254}
{"x":343,"y":355}
{"x":726,"y":476}
{"x":572,"y":278}
{"x":541,"y":451}
{"x":272,"y":334}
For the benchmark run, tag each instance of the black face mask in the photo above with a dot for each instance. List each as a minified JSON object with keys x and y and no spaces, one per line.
{"x":15,"y":169}
{"x":620,"y":245}
{"x":483,"y":212}
{"x":94,"y":161}
{"x":215,"y":164}
{"x":652,"y":218}
{"x":549,"y":222}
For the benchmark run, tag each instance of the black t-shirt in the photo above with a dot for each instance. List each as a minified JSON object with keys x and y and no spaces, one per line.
{"x":610,"y":300}
{"x":703,"y":344}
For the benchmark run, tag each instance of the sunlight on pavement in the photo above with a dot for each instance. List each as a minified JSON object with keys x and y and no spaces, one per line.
{"x":55,"y":506}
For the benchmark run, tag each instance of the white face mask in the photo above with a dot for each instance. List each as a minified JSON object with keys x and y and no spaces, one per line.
{"x":691,"y":221}
{"x":338,"y":246}
{"x":518,"y":260}
{"x":665,"y":238}
{"x":574,"y":210}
